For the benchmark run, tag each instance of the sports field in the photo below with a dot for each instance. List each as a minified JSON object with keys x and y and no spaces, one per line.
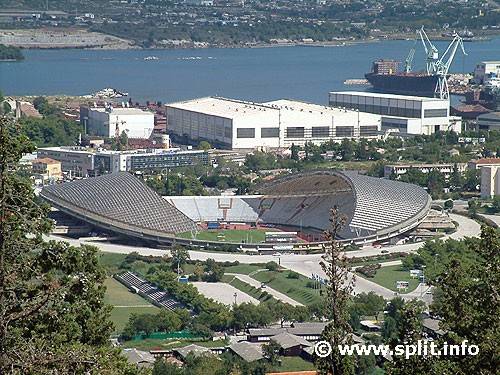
{"x":228,"y":235}
{"x":124,"y":303}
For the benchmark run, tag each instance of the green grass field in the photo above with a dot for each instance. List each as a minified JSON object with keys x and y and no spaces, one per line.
{"x":125,"y":303}
{"x":247,"y":288}
{"x":293,"y":364}
{"x":387,"y":277}
{"x":294,"y":288}
{"x":244,"y":269}
{"x":228,"y":235}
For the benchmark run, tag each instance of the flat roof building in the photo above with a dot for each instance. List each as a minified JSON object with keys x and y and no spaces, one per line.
{"x":408,"y":114}
{"x":489,"y":121}
{"x":111,"y":122}
{"x":238,"y":124}
{"x":486,"y":68}
{"x":85,"y":162}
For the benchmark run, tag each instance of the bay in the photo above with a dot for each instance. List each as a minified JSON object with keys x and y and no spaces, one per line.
{"x":256,"y":74}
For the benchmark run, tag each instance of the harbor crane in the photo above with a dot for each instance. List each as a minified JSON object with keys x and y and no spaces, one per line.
{"x":443,"y":66}
{"x":431,"y":52}
{"x":439,"y":66}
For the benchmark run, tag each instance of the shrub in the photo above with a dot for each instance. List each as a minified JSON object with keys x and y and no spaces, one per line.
{"x":369,"y":270}
{"x":272,"y":266}
{"x":292,"y":275}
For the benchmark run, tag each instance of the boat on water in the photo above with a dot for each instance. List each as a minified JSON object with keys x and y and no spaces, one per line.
{"x":151,"y":58}
{"x":109,"y":93}
{"x":386,"y":78}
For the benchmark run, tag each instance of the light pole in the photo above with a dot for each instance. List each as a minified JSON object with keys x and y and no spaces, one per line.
{"x":235,"y":295}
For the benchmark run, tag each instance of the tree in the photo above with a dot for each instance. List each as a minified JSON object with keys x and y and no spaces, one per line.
{"x":337,"y":298}
{"x":204,"y":145}
{"x":469,"y":308}
{"x":214,"y":271}
{"x":448,"y":205}
{"x":271,"y":352}
{"x":179,"y":257}
{"x":496,"y":203}
{"x":295,"y":152}
{"x":272,"y":266}
{"x":52,"y":314}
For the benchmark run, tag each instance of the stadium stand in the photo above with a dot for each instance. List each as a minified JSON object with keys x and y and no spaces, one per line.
{"x":148,"y":290}
{"x":122,"y":199}
{"x":374,"y":208}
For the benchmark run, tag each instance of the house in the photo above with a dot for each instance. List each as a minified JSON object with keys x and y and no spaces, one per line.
{"x":290,"y":345}
{"x":308,"y":331}
{"x":431,"y":328}
{"x":195,"y":350}
{"x":247,"y":351}
{"x":139,"y":358}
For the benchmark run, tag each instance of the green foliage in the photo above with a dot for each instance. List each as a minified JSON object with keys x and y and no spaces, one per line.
{"x":260,"y":161}
{"x":10,"y":53}
{"x":292,"y":275}
{"x":272,"y":266}
{"x":468,"y":306}
{"x":271,"y":352}
{"x":53,"y":315}
{"x":204,"y":145}
{"x":50,"y":131}
{"x":163,"y":321}
{"x":213,"y":271}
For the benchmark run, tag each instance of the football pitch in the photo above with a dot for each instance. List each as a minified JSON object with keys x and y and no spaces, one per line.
{"x":228,"y":235}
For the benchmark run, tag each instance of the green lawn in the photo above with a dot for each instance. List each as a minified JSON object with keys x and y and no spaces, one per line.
{"x":125,"y":302}
{"x":294,"y":288}
{"x":293,"y":364}
{"x":387,"y":277}
{"x":246,"y":288}
{"x":228,"y":235}
{"x":244,"y":269}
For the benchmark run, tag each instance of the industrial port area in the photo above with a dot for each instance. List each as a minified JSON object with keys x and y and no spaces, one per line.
{"x":220,"y":235}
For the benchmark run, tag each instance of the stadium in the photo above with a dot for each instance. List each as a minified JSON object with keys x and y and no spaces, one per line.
{"x":289,"y":213}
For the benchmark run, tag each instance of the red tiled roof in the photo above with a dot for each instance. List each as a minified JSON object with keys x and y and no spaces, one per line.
{"x":487,"y":161}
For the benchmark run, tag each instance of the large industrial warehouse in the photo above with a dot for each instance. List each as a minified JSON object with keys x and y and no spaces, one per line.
{"x":408,"y":114}
{"x":375,"y":209}
{"x":235,"y":124}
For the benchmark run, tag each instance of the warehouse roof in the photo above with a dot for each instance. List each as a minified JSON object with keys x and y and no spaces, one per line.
{"x":222,"y":107}
{"x":389,"y":96}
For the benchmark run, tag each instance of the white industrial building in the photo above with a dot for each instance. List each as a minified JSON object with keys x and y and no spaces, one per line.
{"x":110,"y":122}
{"x":246,"y":125}
{"x":408,"y":114}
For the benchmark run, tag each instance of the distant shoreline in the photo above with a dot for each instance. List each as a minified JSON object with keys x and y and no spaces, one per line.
{"x":128,"y":45}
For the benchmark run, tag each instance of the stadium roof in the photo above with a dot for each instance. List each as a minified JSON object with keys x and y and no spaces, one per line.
{"x":119,"y":199}
{"x":374,"y":208}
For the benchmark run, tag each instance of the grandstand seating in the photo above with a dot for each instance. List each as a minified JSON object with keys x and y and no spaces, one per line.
{"x":373,"y":207}
{"x":122,"y":198}
{"x":148,"y":290}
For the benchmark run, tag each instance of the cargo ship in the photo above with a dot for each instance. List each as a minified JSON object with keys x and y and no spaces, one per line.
{"x":386,"y":78}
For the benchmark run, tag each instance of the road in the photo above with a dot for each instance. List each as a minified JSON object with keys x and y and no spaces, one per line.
{"x":303,"y":264}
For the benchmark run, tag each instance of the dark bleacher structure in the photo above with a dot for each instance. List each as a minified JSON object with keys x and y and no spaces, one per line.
{"x":121,"y":203}
{"x":375,"y":209}
{"x":148,"y":291}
